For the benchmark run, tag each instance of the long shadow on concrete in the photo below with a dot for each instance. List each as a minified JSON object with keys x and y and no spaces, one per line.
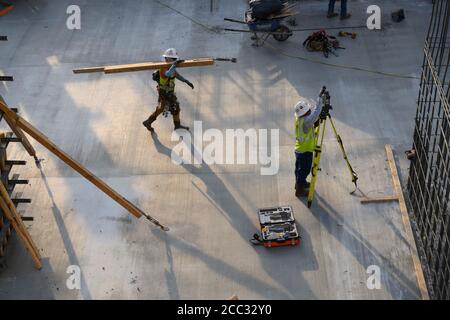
{"x":275,"y":263}
{"x":217,"y":192}
{"x":11,"y":287}
{"x":397,"y":284}
{"x":71,"y":254}
{"x":171,"y":278}
{"x":220,"y":266}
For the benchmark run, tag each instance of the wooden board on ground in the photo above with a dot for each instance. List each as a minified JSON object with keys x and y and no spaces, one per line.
{"x":145,"y":66}
{"x":398,"y":196}
{"x":407,"y":223}
{"x":379,"y":199}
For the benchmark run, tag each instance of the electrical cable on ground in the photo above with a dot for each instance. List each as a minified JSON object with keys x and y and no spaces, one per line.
{"x":354,"y":68}
{"x":187,"y":17}
{"x":387,"y":74}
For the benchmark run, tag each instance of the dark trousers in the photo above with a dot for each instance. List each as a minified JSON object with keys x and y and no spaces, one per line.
{"x":303,"y":163}
{"x":174,"y":108}
{"x":343,"y":7}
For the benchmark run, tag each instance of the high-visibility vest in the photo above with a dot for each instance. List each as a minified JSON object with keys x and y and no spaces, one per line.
{"x":304,"y":142}
{"x":166,"y":83}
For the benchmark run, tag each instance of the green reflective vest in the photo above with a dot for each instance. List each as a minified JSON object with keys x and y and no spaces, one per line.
{"x":304,"y":142}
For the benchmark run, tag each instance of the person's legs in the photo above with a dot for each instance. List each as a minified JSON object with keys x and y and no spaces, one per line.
{"x":299,"y":190}
{"x":331,"y":13}
{"x":305,"y":168}
{"x":297,"y":167}
{"x":344,"y":14}
{"x":303,"y":163}
{"x":331,"y":7}
{"x":175,"y":111}
{"x":343,"y":8}
{"x":159,"y":109}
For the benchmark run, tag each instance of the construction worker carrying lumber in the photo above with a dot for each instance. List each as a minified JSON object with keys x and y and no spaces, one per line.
{"x":306,"y":117}
{"x":167,"y":100}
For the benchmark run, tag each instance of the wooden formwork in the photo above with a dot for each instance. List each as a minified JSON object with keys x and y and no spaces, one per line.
{"x":8,"y":204}
{"x":10,"y":218}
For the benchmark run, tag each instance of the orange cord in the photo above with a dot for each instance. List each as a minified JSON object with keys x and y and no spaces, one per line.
{"x":7,"y":7}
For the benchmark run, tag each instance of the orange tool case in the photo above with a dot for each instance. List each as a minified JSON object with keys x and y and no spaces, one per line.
{"x":278,"y":227}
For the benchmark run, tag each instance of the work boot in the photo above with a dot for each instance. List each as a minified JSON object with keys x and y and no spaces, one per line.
{"x":148,"y":125}
{"x":300,"y":191}
{"x":332,"y":15}
{"x":178,"y":125}
{"x":348,"y":15}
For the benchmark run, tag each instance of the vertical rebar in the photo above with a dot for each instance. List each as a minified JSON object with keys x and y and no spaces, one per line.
{"x":429,"y":174}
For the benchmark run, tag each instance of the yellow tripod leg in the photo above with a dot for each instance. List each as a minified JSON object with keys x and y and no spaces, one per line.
{"x":316,"y":161}
{"x":344,"y":154}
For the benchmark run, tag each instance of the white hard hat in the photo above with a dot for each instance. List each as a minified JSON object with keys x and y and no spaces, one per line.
{"x":302,"y":107}
{"x":170,"y":53}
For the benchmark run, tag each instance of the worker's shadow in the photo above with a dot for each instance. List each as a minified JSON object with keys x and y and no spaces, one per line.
{"x":216,"y":193}
{"x":301,"y":259}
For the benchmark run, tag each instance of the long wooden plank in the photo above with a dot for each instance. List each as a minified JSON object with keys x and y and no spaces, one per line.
{"x":379,"y":199}
{"x":158,"y":65}
{"x":18,"y":132}
{"x":16,"y":217}
{"x":23,"y":234}
{"x":89,"y":70}
{"x":18,"y":225}
{"x":36,"y":259}
{"x":43,"y":140}
{"x":146,"y":66}
{"x":407,"y":223}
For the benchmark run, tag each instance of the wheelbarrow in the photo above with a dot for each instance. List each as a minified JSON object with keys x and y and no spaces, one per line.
{"x":262,"y":29}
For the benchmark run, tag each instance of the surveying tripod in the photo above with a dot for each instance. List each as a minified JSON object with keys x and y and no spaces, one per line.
{"x":320,"y":133}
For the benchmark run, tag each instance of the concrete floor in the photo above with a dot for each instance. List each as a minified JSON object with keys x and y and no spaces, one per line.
{"x":211,"y":210}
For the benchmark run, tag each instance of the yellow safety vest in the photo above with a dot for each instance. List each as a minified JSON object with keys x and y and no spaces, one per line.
{"x":304,"y":142}
{"x":165,"y":83}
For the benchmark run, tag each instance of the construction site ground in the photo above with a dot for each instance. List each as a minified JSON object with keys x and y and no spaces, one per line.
{"x":211,"y":209}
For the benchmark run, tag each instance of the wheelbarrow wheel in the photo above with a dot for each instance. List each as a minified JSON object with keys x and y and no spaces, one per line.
{"x":282,"y":33}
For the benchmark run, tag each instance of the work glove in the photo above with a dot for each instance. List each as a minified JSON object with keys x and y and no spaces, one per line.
{"x":190,"y":84}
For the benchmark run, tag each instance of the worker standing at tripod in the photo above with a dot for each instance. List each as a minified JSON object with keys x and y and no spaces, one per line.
{"x":306,"y":115}
{"x":167,"y":100}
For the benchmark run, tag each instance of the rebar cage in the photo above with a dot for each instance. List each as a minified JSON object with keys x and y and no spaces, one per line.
{"x":429,"y":174}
